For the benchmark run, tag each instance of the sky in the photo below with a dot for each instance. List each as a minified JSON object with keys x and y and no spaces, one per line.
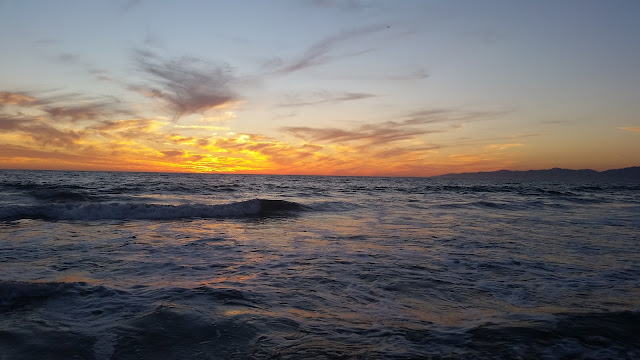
{"x":319,"y":87}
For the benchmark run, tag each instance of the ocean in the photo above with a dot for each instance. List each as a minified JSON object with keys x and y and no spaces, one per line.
{"x":111,"y":265}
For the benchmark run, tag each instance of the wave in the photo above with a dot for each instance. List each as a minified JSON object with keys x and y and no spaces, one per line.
{"x":180,"y":323}
{"x":50,"y":192}
{"x":483,"y":204}
{"x":526,"y":189}
{"x":19,"y":294}
{"x":145,"y":211}
{"x":607,"y":335}
{"x":55,"y":195}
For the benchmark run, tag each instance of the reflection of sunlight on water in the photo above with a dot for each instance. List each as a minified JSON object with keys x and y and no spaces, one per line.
{"x":328,"y":315}
{"x":247,"y":311}
{"x":230,"y":279}
{"x":77,"y":277}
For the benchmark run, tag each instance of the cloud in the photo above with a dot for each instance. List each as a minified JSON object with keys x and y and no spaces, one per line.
{"x":18,"y":151}
{"x":67,"y":107}
{"x":101,"y":75}
{"x":371,"y":134}
{"x":187,"y":85}
{"x":133,"y":129}
{"x":12,"y":98}
{"x":69,"y":125}
{"x":46,"y":41}
{"x":126,"y":5}
{"x":202,"y":127}
{"x":68,"y":58}
{"x":267,"y":153}
{"x":410,"y":126}
{"x":341,"y":4}
{"x":502,"y":146}
{"x":320,"y":52}
{"x":558,"y":122}
{"x":404,"y":151}
{"x":395,"y":146}
{"x":48,"y":135}
{"x":433,"y":116}
{"x":13,"y":123}
{"x":418,"y":74}
{"x":90,"y":111}
{"x":635,"y":129}
{"x":51,"y":120}
{"x":128,"y":124}
{"x":466,"y":141}
{"x":324,"y":98}
{"x":173,"y":153}
{"x":44,"y":134}
{"x":389,"y":131}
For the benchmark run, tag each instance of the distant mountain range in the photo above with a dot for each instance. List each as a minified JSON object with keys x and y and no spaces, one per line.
{"x":630,"y":174}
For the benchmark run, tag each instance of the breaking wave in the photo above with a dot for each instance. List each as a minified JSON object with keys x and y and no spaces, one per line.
{"x":145,"y":211}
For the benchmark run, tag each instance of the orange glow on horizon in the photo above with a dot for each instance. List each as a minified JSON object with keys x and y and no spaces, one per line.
{"x":43,"y":141}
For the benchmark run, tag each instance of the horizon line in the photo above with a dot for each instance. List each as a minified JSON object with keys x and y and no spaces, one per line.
{"x":318,"y":175}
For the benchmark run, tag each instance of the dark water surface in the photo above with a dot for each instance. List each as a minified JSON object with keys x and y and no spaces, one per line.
{"x":174,"y":266}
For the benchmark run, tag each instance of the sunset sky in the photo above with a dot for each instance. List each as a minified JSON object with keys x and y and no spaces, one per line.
{"x":397,"y":88}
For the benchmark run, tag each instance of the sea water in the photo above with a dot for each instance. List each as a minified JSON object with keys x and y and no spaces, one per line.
{"x":107,"y":265}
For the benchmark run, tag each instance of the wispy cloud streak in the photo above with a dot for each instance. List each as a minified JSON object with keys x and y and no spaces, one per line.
{"x":371,"y":134}
{"x":68,"y":107}
{"x":410,"y":127}
{"x":324,"y":98}
{"x":320,"y":52}
{"x":635,"y":129}
{"x":353,"y":5}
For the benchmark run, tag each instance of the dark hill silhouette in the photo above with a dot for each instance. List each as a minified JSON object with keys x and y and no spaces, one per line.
{"x":630,"y":174}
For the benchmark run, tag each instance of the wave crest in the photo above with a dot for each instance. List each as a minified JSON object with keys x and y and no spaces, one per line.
{"x":145,"y":211}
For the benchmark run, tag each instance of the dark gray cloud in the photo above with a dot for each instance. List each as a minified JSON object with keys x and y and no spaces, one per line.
{"x":187,"y":85}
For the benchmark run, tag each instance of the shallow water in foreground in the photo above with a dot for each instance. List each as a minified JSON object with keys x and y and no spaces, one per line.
{"x":149,"y":266}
